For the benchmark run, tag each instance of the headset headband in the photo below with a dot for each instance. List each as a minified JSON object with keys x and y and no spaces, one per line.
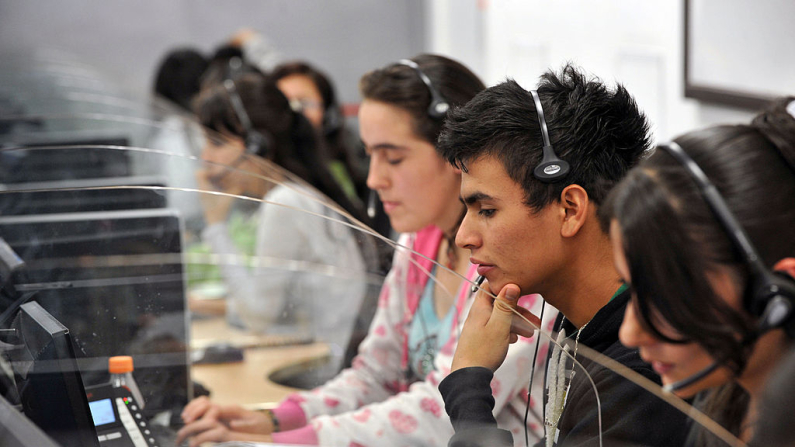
{"x":769,"y":296}
{"x":237,"y":106}
{"x":439,"y":106}
{"x":551,"y":168}
{"x":718,"y":206}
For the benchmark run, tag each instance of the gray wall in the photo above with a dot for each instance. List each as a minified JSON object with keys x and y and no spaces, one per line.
{"x":126,"y":38}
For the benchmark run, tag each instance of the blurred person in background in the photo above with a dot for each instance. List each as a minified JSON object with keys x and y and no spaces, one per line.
{"x":178,"y":77}
{"x":260,"y":140}
{"x":310,"y":92}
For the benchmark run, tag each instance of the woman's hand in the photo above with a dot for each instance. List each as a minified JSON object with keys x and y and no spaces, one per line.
{"x":216,"y":206}
{"x":490,"y":327}
{"x":209,"y":422}
{"x":242,"y":36}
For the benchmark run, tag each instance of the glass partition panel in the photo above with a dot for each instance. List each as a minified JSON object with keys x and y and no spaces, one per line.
{"x":123,"y":264}
{"x":248,"y":285}
{"x":37,"y":103}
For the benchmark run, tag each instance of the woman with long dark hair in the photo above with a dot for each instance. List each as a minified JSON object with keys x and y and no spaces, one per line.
{"x":311,"y":92}
{"x":704,"y":311}
{"x":258,"y":137}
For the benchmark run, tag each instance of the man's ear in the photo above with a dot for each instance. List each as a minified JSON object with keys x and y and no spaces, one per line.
{"x":575,"y":207}
{"x":455,"y":167}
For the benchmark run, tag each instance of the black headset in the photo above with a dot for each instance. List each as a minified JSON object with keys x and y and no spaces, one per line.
{"x":332,"y":115}
{"x":332,"y":118}
{"x":551,"y":168}
{"x":439,"y":106}
{"x":769,"y":296}
{"x":256,"y":142}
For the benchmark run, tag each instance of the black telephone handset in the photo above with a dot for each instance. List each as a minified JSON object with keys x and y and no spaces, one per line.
{"x":118,"y":418}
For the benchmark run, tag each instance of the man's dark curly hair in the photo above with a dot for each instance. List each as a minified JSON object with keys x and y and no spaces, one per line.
{"x":600,"y":132}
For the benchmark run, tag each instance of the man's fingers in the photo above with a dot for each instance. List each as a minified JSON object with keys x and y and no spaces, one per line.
{"x":520,"y":326}
{"x":530,"y":316}
{"x":502,"y":310}
{"x":499,"y":313}
{"x":480,"y":313}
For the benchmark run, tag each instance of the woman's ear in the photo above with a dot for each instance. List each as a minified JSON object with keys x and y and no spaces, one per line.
{"x":786,"y":265}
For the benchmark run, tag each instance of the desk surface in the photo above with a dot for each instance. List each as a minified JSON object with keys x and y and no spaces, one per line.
{"x":246,"y":382}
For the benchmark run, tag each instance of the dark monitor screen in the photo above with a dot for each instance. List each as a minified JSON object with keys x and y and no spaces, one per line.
{"x":48,"y":378}
{"x":39,"y":164}
{"x":16,"y":430}
{"x":74,"y":196}
{"x":116,"y":280}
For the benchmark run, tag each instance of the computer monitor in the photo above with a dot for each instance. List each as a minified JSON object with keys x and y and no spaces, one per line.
{"x":78,"y":196}
{"x":40,"y":164}
{"x":48,"y":378}
{"x":116,"y":280}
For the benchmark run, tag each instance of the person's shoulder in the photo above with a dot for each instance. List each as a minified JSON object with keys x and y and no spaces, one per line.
{"x":294,"y":195}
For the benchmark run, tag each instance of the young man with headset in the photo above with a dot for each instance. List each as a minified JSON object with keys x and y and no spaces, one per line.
{"x":532,"y":227}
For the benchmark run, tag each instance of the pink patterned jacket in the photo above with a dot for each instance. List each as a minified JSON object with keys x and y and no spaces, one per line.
{"x":372,"y":404}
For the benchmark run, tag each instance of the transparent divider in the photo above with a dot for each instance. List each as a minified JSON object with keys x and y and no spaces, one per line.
{"x":239,"y":280}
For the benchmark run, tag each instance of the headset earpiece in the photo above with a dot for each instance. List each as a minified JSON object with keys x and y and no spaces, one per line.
{"x":257,"y":144}
{"x":773,"y":301}
{"x":551,"y":168}
{"x":332,"y":119}
{"x":439,"y":106}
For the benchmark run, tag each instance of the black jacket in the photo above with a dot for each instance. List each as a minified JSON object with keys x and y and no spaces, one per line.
{"x":631,"y":416}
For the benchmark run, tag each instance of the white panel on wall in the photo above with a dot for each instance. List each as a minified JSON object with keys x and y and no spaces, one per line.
{"x":530,"y":59}
{"x":455,"y":28}
{"x":637,"y":43}
{"x":743,"y":46}
{"x":642,"y":72}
